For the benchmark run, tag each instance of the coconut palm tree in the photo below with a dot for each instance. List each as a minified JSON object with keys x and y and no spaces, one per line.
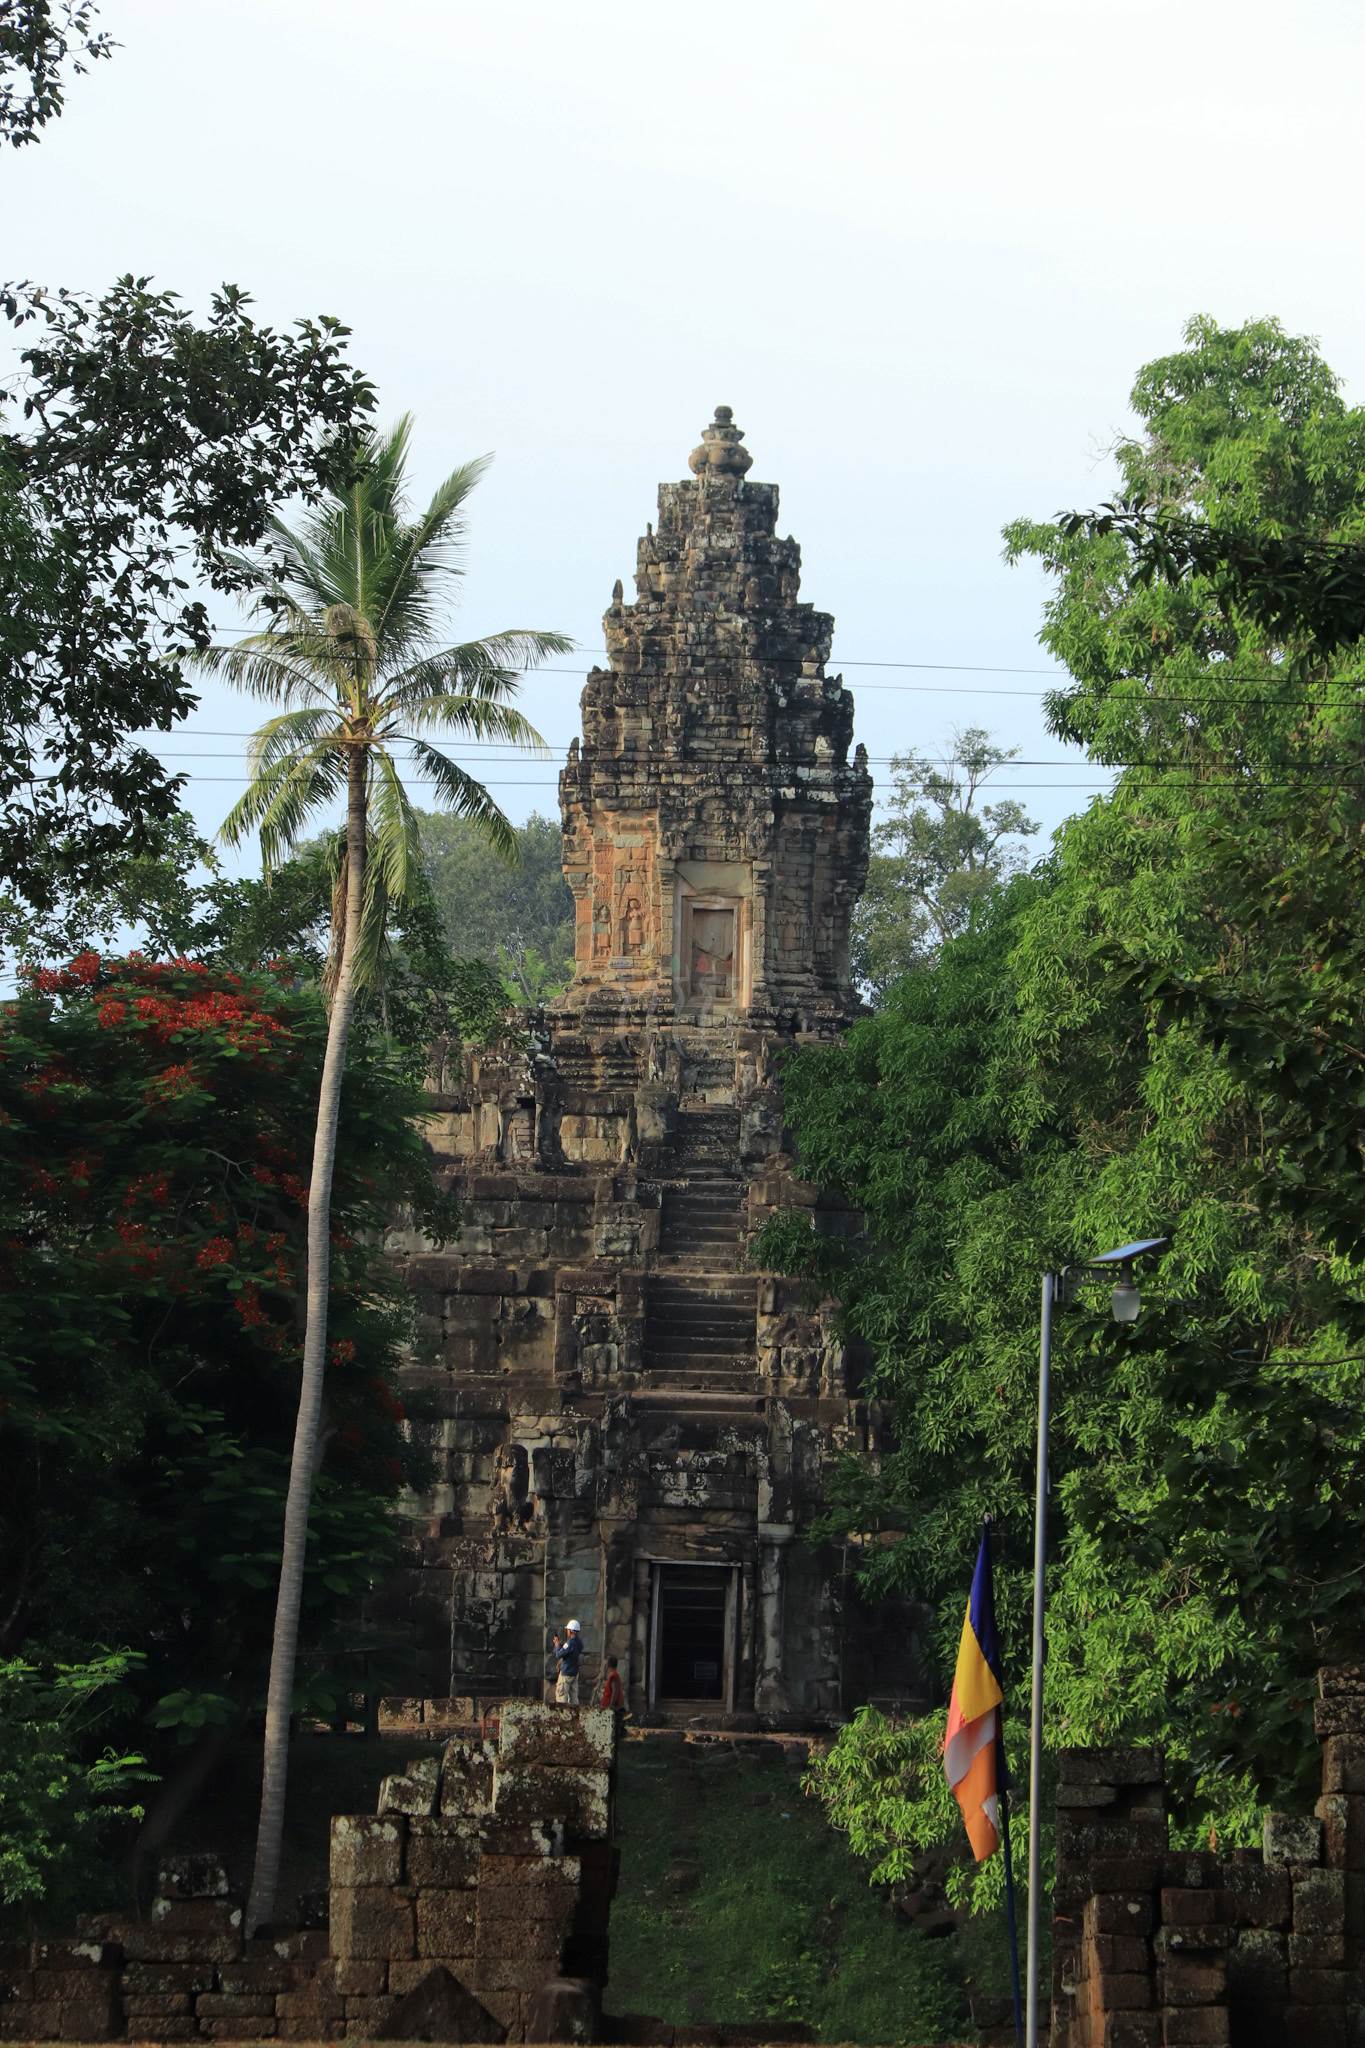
{"x":352,"y":601}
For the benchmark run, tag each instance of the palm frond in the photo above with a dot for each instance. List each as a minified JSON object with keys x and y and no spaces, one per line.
{"x":422,"y":556}
{"x":291,"y":733}
{"x":282,"y":799}
{"x":291,"y":668}
{"x":395,"y":854}
{"x":467,"y":798}
{"x":473,"y":718}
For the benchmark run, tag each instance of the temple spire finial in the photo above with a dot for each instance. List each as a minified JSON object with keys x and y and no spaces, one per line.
{"x":719,"y":450}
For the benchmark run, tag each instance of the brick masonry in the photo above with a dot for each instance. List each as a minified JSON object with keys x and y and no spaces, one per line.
{"x":1262,"y":1948}
{"x":491,"y":1861}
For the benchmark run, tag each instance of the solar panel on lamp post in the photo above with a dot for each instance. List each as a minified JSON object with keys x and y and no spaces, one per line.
{"x":1059,"y":1287}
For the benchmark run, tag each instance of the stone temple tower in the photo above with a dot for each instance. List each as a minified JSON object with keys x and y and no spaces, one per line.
{"x":715,"y":832}
{"x":633,"y":1424}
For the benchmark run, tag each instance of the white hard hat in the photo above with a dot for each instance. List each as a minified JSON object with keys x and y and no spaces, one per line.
{"x":574,"y":1629}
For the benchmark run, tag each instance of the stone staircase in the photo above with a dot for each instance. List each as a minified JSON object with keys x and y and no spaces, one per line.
{"x":699,"y":1330}
{"x":700,"y":1309}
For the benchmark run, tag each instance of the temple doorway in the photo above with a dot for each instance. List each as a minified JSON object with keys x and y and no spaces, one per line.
{"x":693,"y":1633}
{"x":710,"y":949}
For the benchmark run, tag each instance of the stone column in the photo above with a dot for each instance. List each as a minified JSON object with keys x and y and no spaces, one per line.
{"x":770,"y":1693}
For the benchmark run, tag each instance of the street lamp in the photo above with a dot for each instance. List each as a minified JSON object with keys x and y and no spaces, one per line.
{"x":1059,"y":1287}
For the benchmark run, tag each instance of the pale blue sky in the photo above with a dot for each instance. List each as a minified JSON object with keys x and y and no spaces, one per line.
{"x":921,"y":249}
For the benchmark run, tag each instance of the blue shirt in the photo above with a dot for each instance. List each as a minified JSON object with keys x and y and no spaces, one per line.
{"x":569,"y":1656}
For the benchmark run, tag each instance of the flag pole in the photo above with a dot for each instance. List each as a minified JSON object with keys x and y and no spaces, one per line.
{"x":1011,"y":1919}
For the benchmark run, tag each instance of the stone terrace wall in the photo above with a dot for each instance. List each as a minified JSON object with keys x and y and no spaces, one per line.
{"x":457,"y":1912}
{"x":1154,"y":1948}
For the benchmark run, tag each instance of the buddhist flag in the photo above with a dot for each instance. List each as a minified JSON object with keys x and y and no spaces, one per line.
{"x":971,"y":1744}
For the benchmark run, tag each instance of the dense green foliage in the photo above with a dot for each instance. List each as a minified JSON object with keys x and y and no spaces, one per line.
{"x":63,"y":1785}
{"x":517,"y":915}
{"x":141,"y":448}
{"x":39,"y":41}
{"x":1161,"y":1030}
{"x":938,"y":851}
{"x":156,"y":1128}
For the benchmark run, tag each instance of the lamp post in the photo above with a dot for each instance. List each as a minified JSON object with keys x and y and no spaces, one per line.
{"x":1059,"y":1288}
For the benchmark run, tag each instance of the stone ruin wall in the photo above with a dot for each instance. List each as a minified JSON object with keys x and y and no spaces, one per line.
{"x":1259,"y":1948}
{"x":615,"y":1392}
{"x":472,"y":1907}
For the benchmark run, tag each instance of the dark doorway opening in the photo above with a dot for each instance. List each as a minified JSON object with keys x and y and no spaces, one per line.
{"x":691,"y":1641}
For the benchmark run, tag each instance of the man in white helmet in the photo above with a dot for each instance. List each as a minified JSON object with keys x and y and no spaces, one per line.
{"x":568,"y":1656}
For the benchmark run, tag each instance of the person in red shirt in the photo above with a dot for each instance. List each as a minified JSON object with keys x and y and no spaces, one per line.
{"x":613,"y":1692}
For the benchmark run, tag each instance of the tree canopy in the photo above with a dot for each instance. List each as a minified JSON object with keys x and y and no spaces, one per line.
{"x":1158,"y":1031}
{"x":156,"y":1126}
{"x":935,"y":855}
{"x":142,"y":450}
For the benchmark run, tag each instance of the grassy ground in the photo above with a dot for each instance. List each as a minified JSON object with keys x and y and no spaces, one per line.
{"x":737,"y":1902}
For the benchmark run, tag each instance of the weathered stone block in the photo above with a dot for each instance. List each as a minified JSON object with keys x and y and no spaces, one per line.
{"x":1257,"y":1965}
{"x":1110,"y":1766}
{"x":93,"y":1954}
{"x":545,"y":1735}
{"x":150,"y":1980}
{"x":236,"y":2029}
{"x":231,"y":2005}
{"x":466,"y":1779}
{"x":1343,"y":1829}
{"x":1292,"y":1838}
{"x":1127,"y":2030}
{"x":30,"y":2021}
{"x":445,"y":1923}
{"x":367,"y":1848}
{"x":313,"y":2002}
{"x":578,"y":1798}
{"x":94,"y":2016}
{"x":1115,"y":1913}
{"x":528,"y":1940}
{"x":1257,"y":1896}
{"x":416,"y":1791}
{"x":1342,"y":1716}
{"x":1196,"y":2026}
{"x":1320,"y":1902}
{"x":541,"y":1871}
{"x":1314,"y":2026}
{"x":1343,"y":1763}
{"x":180,"y":2027}
{"x":1316,"y":1984}
{"x":442,"y":1850}
{"x":1181,"y":1907}
{"x":370,"y":1922}
{"x":157,"y":2008}
{"x":1193,"y":1980}
{"x":259,"y":1976}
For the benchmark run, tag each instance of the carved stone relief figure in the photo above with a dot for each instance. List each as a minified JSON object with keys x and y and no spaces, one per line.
{"x":632,"y":928}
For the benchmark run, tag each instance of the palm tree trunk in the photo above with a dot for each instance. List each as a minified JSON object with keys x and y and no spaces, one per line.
{"x":303,"y":1463}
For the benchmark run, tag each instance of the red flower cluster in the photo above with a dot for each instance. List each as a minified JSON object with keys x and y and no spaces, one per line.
{"x":343,"y":1352}
{"x":215,"y":1251}
{"x":170,"y":1082}
{"x":82,"y":972}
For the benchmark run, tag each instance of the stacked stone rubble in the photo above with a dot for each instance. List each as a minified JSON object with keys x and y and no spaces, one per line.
{"x":616,"y":1390}
{"x":1155,"y":1948}
{"x":476,"y":1901}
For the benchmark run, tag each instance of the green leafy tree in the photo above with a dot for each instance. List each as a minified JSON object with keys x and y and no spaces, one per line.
{"x":1160,"y":1030}
{"x":156,"y":1128}
{"x":354,"y":653}
{"x":142,"y":452}
{"x":935,"y":856}
{"x":517,"y":916}
{"x":38,"y":41}
{"x":61,"y":1792}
